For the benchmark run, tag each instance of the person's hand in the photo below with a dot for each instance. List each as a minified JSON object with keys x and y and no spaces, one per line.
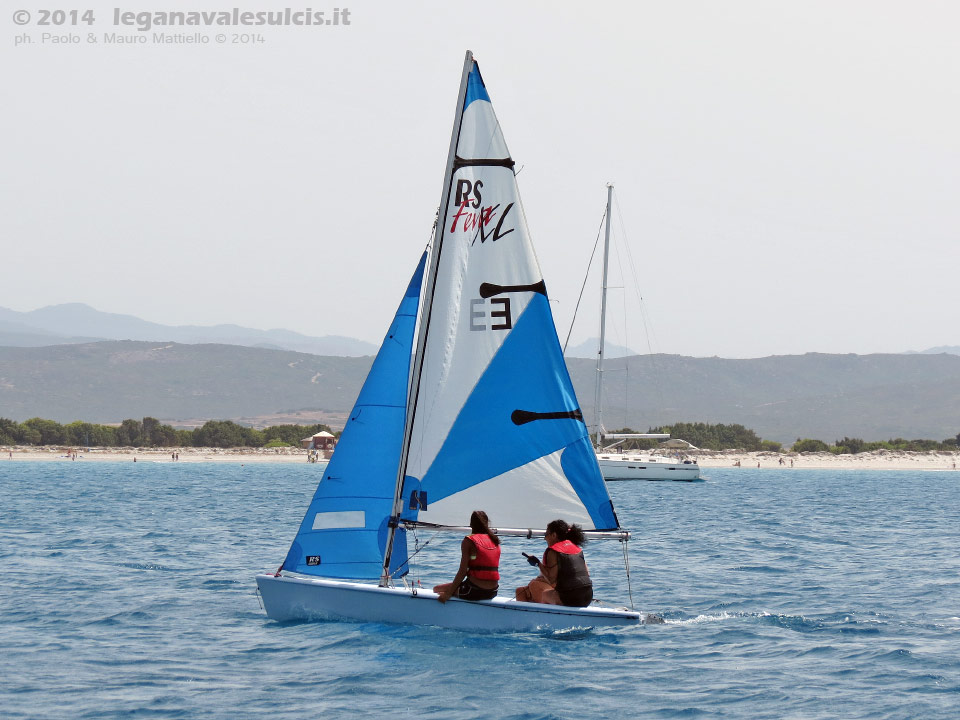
{"x":532,"y":559}
{"x":444,"y":596}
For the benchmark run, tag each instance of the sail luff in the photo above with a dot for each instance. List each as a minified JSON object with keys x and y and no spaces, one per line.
{"x":426,"y":305}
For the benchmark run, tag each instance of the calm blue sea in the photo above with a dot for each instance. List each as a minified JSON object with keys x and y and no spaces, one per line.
{"x":128,"y":592}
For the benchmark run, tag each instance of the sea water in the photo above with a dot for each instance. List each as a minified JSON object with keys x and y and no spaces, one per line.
{"x":127,"y":591}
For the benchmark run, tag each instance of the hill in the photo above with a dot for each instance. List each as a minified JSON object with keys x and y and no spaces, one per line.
{"x":106,"y":382}
{"x":590,"y":347}
{"x":874,"y":397}
{"x":784,"y":397}
{"x":79,"y":323}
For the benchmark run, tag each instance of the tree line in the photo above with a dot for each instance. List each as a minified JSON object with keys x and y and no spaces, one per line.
{"x":150,"y":432}
{"x":705,"y":436}
{"x":737,"y":437}
{"x":851,"y":446}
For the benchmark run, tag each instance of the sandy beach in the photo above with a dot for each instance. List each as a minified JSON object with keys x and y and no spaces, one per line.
{"x":164,"y":455}
{"x":881,"y":460}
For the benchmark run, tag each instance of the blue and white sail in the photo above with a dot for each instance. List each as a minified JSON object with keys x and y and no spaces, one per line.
{"x":495,"y":424}
{"x":344,"y":533}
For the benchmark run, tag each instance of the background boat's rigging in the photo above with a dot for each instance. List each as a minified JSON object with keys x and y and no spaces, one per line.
{"x":628,"y":274}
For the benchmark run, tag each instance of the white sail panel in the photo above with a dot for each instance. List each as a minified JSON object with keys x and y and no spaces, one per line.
{"x":480,"y":135}
{"x":538,"y":491}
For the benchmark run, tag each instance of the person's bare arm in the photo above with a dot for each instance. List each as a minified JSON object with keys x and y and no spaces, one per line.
{"x":465,"y":548}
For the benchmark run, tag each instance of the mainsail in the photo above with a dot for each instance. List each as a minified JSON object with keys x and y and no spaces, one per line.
{"x":495,"y":423}
{"x":488,"y":419}
{"x":344,"y":533}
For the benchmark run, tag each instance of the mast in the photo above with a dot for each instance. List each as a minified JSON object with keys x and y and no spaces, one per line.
{"x":598,"y":397}
{"x":426,"y":305}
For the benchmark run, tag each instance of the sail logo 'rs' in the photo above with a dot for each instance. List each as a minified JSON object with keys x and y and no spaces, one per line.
{"x":472,"y":216}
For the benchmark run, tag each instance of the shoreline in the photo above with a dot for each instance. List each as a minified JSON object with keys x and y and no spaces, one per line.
{"x":162,"y":455}
{"x":878,"y":460}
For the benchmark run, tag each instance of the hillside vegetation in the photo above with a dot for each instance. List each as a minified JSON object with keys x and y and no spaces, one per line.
{"x":875,"y":397}
{"x":150,"y":432}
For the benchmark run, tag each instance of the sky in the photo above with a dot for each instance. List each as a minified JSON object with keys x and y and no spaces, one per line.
{"x":787,"y":174}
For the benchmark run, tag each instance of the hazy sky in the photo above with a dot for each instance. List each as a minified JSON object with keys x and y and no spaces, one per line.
{"x":787,"y":173}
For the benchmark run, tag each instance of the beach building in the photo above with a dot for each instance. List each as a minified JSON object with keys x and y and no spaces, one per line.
{"x":320,"y":441}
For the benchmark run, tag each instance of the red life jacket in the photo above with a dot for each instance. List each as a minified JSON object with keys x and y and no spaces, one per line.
{"x":486,"y":564}
{"x":566,"y":547}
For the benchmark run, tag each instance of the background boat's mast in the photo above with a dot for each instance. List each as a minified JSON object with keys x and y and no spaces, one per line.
{"x":426,"y":305}
{"x":598,"y":397}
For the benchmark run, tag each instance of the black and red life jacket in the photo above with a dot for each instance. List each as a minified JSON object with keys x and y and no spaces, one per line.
{"x":485,"y":566}
{"x":572,"y":571}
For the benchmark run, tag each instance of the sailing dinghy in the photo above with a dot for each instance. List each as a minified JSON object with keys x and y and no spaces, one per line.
{"x":468,"y":405}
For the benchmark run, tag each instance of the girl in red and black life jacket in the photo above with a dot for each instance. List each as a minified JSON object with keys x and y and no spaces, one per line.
{"x":564,"y":578}
{"x":478,"y":576}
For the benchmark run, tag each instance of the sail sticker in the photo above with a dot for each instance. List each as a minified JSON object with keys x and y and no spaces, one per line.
{"x":313,"y":560}
{"x":501,"y":316}
{"x":418,"y":500}
{"x":342,"y":519}
{"x":479,"y":221}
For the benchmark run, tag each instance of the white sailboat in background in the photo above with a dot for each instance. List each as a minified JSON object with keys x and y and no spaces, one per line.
{"x":475,"y":412}
{"x":630,"y":465}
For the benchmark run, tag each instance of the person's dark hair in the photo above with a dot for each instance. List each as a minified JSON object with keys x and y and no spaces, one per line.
{"x":573,"y":533}
{"x":480,"y":523}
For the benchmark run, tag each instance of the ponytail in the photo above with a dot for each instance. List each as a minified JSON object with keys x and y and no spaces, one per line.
{"x":573,"y":533}
{"x":576,"y":536}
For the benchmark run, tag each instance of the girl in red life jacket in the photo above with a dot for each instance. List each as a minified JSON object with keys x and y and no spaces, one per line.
{"x":478,"y":576}
{"x":564,"y":578}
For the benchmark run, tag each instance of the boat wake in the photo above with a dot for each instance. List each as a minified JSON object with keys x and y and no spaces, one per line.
{"x":841,"y":623}
{"x":706,"y":618}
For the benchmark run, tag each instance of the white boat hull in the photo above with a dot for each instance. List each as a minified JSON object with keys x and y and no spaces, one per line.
{"x":301,"y":598}
{"x":636,"y":467}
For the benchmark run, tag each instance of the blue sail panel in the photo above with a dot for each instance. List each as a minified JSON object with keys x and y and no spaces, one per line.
{"x":522,"y":409}
{"x":343,"y":534}
{"x":476,"y":90}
